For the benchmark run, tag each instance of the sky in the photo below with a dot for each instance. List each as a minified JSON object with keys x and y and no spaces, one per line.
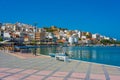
{"x":95,"y":16}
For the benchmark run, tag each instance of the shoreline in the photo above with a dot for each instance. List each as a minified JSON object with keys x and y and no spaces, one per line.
{"x":30,"y":55}
{"x":97,"y":63}
{"x":47,"y":56}
{"x":25,"y":55}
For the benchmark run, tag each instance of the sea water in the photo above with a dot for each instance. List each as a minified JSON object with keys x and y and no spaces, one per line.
{"x":98,"y":54}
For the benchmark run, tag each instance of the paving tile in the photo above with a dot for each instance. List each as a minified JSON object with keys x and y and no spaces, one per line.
{"x":97,"y":76}
{"x":10,"y":78}
{"x":73,"y":79}
{"x":4,"y":69}
{"x":43,"y":72}
{"x":28,"y":71}
{"x":82,"y":68}
{"x":14,"y":77}
{"x":35,"y":77}
{"x":14,"y":70}
{"x":67,"y":69}
{"x":3,"y":74}
{"x":34,"y":64}
{"x":54,"y":78}
{"x":113,"y":70}
{"x":78,"y":75}
{"x":114,"y":77}
{"x":60,"y":74}
{"x":97,"y":69}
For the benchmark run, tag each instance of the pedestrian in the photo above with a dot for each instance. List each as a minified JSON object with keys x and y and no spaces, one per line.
{"x":34,"y":52}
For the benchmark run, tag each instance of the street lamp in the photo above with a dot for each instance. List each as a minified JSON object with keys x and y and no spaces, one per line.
{"x":12,"y":43}
{"x":34,"y":52}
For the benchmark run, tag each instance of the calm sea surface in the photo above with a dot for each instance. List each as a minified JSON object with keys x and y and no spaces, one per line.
{"x":104,"y":55}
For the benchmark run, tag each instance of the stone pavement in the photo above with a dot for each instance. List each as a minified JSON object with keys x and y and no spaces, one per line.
{"x":45,"y":68}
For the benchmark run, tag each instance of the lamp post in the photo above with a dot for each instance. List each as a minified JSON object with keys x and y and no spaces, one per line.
{"x":34,"y":52}
{"x":12,"y":44}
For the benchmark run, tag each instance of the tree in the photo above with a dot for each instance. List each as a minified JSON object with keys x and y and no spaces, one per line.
{"x":105,"y":41}
{"x":117,"y":42}
{"x":1,"y":39}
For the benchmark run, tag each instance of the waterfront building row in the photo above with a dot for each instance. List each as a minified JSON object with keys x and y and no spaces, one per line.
{"x":27,"y":33}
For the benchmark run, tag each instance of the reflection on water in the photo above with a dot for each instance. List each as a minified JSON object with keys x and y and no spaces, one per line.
{"x":104,"y":55}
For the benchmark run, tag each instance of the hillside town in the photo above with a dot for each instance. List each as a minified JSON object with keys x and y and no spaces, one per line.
{"x":29,"y":34}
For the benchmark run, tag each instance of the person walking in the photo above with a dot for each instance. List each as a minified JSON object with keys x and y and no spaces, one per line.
{"x":34,"y":52}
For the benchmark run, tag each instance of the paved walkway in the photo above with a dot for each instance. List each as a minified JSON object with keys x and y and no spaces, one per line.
{"x":44,"y":68}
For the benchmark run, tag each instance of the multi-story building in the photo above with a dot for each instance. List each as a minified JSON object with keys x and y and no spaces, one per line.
{"x":83,"y":33}
{"x":56,"y":34}
{"x":40,"y":36}
{"x":107,"y":38}
{"x":79,"y":34}
{"x":37,"y":36}
{"x":88,"y":35}
{"x":96,"y":36}
{"x":83,"y":37}
{"x":71,"y":40}
{"x":26,"y":38}
{"x":6,"y":36}
{"x":3,"y":27}
{"x":31,"y":36}
{"x":69,"y":34}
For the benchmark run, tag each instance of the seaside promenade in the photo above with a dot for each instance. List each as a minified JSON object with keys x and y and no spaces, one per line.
{"x":13,"y":67}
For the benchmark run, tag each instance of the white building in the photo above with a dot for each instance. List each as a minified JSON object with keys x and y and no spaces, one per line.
{"x":71,"y":40}
{"x":79,"y":34}
{"x":107,"y":38}
{"x":61,"y":33}
{"x":83,"y":37}
{"x":50,"y":36}
{"x":6,"y":35}
{"x":96,"y":36}
{"x":66,"y":31}
{"x":18,"y":33}
{"x":76,"y":31}
{"x":75,"y":37}
{"x":14,"y":27}
{"x":75,"y":40}
{"x":3,"y":27}
{"x":101,"y":37}
{"x":87,"y":41}
{"x":31,"y":35}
